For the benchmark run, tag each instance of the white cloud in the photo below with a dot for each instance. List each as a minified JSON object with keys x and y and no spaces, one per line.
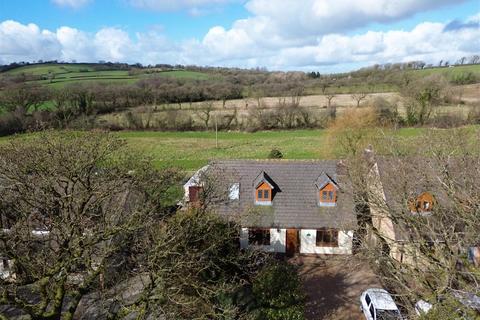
{"x":71,"y":3}
{"x":113,"y":44}
{"x":20,"y":42}
{"x":245,"y":44}
{"x":275,"y":23}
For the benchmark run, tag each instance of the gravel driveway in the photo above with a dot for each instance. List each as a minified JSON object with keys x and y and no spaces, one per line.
{"x":333,"y":285}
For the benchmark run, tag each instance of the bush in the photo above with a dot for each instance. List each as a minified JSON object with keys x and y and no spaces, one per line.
{"x":386,"y":112}
{"x":277,"y":290}
{"x":275,"y":154}
{"x":474,"y":115}
{"x":10,"y":123}
{"x":448,"y":120}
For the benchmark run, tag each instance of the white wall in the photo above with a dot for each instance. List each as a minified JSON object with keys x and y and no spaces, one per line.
{"x":193,"y":181}
{"x":278,"y":239}
{"x":308,"y":243}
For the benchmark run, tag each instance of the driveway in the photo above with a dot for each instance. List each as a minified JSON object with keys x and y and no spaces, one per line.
{"x":333,"y":285}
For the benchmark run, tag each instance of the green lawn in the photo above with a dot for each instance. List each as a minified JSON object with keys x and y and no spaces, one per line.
{"x":191,"y":150}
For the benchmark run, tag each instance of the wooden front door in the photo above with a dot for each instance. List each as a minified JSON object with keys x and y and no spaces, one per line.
{"x":292,"y":242}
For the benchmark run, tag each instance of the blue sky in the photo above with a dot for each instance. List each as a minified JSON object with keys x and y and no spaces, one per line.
{"x":324,"y":35}
{"x":97,"y":14}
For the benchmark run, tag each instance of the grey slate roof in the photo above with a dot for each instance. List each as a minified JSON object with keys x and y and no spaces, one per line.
{"x":295,"y":198}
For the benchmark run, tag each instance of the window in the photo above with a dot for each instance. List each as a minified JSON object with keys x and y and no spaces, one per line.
{"x":327,"y":238}
{"x":423,"y":203}
{"x":367,"y":299}
{"x":259,"y":237}
{"x":263,"y":193}
{"x":328,"y":195}
{"x":426,"y":205}
{"x":234,"y":191}
{"x":372,"y":311}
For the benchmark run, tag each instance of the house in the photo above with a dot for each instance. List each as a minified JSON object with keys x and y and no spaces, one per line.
{"x":282,"y":206}
{"x":415,"y":208}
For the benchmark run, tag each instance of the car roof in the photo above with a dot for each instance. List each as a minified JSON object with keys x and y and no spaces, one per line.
{"x":381,"y":299}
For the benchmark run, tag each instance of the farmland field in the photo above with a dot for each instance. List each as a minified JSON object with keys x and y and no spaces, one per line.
{"x":59,"y":75}
{"x":191,"y":150}
{"x":316,"y":104}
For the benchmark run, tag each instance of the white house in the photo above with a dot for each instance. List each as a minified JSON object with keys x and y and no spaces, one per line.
{"x":284,"y":206}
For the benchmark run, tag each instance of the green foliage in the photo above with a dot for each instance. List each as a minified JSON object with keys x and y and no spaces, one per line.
{"x":198,"y":267}
{"x":275,"y":154}
{"x":277,"y":290}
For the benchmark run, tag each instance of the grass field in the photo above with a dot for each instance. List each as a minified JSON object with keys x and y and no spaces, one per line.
{"x":191,"y":150}
{"x":448,"y":71}
{"x":59,"y":75}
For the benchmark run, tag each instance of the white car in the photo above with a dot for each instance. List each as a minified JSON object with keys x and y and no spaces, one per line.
{"x":378,"y":304}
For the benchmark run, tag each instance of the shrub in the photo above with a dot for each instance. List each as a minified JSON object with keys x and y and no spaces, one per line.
{"x":474,"y":115}
{"x":449,"y":120}
{"x":10,"y":123}
{"x":277,"y":290}
{"x":275,"y":154}
{"x":386,"y":112}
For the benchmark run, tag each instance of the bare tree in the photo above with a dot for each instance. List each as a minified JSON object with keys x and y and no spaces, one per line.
{"x":423,"y":220}
{"x":358,"y":97}
{"x":422,"y":96}
{"x":475,"y":59}
{"x":71,"y":205}
{"x":462,"y":60}
{"x":22,"y":97}
{"x":205,"y":113}
{"x":329,"y":98}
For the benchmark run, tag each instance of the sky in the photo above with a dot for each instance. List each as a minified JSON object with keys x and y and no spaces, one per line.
{"x":307,"y":35}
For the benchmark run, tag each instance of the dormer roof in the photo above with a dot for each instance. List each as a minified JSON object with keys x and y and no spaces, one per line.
{"x":263,"y":177}
{"x":325,"y":179}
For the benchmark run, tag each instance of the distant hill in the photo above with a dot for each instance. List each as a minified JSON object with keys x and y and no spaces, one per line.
{"x":61,"y":74}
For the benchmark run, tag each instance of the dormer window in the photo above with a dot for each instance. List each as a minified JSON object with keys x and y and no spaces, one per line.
{"x":327,"y":191}
{"x":264,"y":193}
{"x":264,"y":189}
{"x":423,"y":204}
